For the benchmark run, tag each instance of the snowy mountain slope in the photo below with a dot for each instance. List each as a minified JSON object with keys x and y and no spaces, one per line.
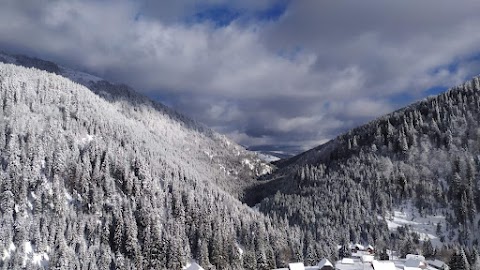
{"x":238,"y":167}
{"x":425,"y":155}
{"x":96,"y":184}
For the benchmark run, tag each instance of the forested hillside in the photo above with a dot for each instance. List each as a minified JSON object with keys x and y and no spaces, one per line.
{"x":95,"y":183}
{"x":96,"y":176}
{"x":425,"y":155}
{"x":180,"y":134}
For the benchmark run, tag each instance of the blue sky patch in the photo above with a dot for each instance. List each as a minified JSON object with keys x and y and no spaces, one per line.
{"x":223,"y":15}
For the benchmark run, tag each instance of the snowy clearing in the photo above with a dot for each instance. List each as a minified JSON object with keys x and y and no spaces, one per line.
{"x":425,"y":226}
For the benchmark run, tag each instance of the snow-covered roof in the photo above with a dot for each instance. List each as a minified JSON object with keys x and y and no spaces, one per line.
{"x":194,"y":266}
{"x":370,"y":247}
{"x":324,"y":262}
{"x":383,"y":265}
{"x":413,"y":262}
{"x":296,"y":266}
{"x":436,"y":263}
{"x":347,"y":261}
{"x":416,"y":257}
{"x":357,"y":264}
{"x":367,"y":258}
{"x":360,"y":247}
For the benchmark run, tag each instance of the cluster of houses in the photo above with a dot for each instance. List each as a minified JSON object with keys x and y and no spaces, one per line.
{"x":363,"y":258}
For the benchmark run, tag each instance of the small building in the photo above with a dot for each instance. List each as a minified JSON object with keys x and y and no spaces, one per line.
{"x":296,"y":266}
{"x":325,"y":264}
{"x":414,"y":263}
{"x":416,"y":257}
{"x":347,"y":261}
{"x":194,"y":266}
{"x":437,"y":264}
{"x":370,"y":249}
{"x":352,"y":264}
{"x":367,"y":258}
{"x":383,"y":265}
{"x":359,"y":247}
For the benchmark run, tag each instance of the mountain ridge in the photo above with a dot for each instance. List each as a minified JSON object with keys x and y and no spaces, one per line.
{"x":252,"y":165}
{"x":425,"y":153}
{"x":92,"y":183}
{"x":146,"y":187}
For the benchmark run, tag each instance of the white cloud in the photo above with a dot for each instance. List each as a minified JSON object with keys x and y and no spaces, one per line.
{"x":321,"y":68}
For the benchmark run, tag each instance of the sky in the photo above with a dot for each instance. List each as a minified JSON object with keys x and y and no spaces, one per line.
{"x":283,"y":75}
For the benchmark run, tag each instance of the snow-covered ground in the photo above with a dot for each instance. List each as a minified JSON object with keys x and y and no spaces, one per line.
{"x":7,"y":252}
{"x":425,"y":226}
{"x":36,"y":258}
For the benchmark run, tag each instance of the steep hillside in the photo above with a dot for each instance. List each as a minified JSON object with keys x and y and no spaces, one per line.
{"x":417,"y":166}
{"x":90,"y":183}
{"x":234,"y":168}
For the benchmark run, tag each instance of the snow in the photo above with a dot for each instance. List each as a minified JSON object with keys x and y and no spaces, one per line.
{"x":415,"y":257}
{"x":324,"y":262}
{"x":40,"y":258}
{"x":296,"y":266}
{"x":88,"y":138}
{"x":367,"y":258}
{"x":425,"y":226}
{"x":8,"y":251}
{"x":383,"y":265}
{"x":29,"y":204}
{"x":248,"y":163}
{"x":209,"y":155}
{"x":412,"y":262}
{"x":265,"y":170}
{"x":27,"y":246}
{"x":240,"y":249}
{"x":192,"y":265}
{"x":356,"y":264}
{"x":68,"y":198}
{"x":48,"y":187}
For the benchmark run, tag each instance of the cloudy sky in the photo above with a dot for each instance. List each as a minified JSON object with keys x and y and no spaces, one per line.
{"x":287,"y":74}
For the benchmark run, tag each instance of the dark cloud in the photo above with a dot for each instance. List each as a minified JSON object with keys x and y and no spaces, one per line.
{"x":288,"y":73}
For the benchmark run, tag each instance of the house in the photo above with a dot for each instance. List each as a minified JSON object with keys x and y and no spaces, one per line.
{"x":383,"y":265}
{"x":359,"y":247}
{"x":194,"y":266}
{"x":370,"y":249}
{"x":356,"y":247}
{"x":296,"y":266}
{"x":416,"y":257}
{"x":347,"y":261}
{"x":414,"y":263}
{"x":367,"y":258}
{"x":437,"y":264}
{"x":352,"y":264}
{"x":325,"y":264}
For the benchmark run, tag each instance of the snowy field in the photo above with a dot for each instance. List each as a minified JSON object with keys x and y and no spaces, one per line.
{"x":425,"y":226}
